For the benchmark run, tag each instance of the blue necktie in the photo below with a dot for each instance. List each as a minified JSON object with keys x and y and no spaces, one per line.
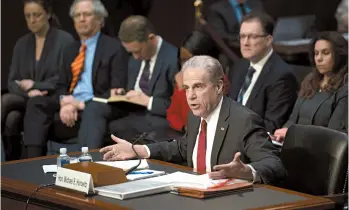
{"x":143,"y":82}
{"x":246,"y":84}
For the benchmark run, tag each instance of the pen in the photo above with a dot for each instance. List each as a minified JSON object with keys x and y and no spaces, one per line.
{"x":222,"y":184}
{"x":142,"y":172}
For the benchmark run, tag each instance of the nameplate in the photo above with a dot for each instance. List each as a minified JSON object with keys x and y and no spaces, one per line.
{"x":74,"y":180}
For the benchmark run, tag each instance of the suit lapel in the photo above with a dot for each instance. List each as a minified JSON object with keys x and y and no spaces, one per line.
{"x":221,"y":130}
{"x":32,"y":57}
{"x":238,"y":79}
{"x":135,"y":66}
{"x":49,"y":41}
{"x":98,"y":56}
{"x":263,"y":76}
{"x":157,"y":68}
{"x":191,"y":138}
{"x":318,"y":101}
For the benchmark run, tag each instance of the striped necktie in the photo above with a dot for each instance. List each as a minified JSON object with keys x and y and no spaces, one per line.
{"x":77,"y":66}
{"x":246,"y":84}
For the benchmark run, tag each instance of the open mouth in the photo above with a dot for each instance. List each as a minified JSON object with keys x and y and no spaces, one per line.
{"x":194,"y":106}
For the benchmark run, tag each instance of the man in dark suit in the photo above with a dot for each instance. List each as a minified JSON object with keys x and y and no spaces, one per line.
{"x":151,"y":71}
{"x":262,"y":81}
{"x":220,"y":131}
{"x":225,"y":16}
{"x":91,"y":67}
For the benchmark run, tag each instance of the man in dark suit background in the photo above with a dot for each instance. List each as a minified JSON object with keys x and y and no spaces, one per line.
{"x":225,"y":16}
{"x":151,"y":71}
{"x":220,"y":131}
{"x":91,"y":67}
{"x":262,"y":81}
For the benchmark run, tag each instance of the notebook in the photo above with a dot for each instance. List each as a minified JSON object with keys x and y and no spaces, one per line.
{"x":121,"y":101}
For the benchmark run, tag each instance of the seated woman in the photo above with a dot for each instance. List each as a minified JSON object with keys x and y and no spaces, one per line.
{"x":323,"y":98}
{"x":197,"y":43}
{"x":34,"y":70}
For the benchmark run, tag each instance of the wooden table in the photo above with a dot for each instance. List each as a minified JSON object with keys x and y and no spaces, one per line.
{"x":15,"y":193}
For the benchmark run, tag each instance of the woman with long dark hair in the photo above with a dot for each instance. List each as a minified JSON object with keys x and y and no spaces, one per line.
{"x":323,"y":98}
{"x":34,"y":69}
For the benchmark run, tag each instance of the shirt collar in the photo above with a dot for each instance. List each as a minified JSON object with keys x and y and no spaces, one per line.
{"x":153,"y":59}
{"x":92,"y":39}
{"x":214,"y":113}
{"x":260,"y":64}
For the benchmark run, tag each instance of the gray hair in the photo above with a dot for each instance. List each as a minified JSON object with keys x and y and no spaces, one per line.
{"x":208,"y":63}
{"x":98,"y":9}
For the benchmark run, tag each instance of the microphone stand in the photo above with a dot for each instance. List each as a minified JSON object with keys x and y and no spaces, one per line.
{"x":141,"y":137}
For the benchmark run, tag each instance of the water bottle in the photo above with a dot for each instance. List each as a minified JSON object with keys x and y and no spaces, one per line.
{"x":85,"y":157}
{"x":63,"y":158}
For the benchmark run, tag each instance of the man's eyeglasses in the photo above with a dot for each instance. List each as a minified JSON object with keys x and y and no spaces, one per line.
{"x":251,"y":36}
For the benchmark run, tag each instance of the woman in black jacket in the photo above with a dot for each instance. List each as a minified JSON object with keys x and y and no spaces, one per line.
{"x":34,"y":69}
{"x":323,"y":98}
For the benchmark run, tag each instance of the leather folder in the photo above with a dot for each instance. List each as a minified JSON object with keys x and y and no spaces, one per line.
{"x":215,"y":192}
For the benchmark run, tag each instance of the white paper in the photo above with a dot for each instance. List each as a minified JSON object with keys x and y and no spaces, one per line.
{"x":49,"y":168}
{"x":126,"y":164}
{"x":180,"y":179}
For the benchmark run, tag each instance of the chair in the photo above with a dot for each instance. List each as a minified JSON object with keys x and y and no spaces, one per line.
{"x":301,"y":72}
{"x":316,"y":159}
{"x":289,"y":28}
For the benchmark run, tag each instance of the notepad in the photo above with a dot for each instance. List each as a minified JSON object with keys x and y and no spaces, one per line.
{"x":126,"y":164}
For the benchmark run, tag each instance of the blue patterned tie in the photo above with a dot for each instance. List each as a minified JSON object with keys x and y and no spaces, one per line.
{"x":246,"y":84}
{"x":143,"y":82}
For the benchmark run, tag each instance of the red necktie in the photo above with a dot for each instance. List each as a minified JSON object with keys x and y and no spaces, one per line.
{"x":201,"y":156}
{"x":77,"y":66}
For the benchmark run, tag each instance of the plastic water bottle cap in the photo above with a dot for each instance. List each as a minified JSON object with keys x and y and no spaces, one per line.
{"x":84,"y":149}
{"x":63,"y":150}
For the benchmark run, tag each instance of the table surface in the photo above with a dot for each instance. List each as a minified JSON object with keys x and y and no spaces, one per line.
{"x":21,"y":178}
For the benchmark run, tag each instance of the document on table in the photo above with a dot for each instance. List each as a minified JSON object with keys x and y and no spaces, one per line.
{"x":49,"y":168}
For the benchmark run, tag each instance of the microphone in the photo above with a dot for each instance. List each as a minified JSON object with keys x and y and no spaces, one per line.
{"x":141,"y":137}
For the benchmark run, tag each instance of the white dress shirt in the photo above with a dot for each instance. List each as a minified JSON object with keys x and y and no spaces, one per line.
{"x":152,"y":63}
{"x":258,"y":67}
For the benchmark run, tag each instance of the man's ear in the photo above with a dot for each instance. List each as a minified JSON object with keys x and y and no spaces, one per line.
{"x":220,"y":85}
{"x":270,"y":39}
{"x":151,"y":36}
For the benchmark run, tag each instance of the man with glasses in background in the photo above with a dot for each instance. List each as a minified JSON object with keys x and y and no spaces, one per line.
{"x":261,"y":80}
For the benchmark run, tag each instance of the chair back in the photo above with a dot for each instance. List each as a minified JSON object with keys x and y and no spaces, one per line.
{"x":316,"y":160}
{"x":290,"y":28}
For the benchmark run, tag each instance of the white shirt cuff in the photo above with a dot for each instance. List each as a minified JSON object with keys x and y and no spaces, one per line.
{"x":148,"y":151}
{"x":150,"y":104}
{"x":256,"y":177}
